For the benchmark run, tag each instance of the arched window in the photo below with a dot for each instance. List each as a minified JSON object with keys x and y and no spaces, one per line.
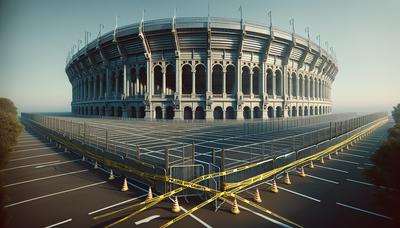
{"x":217,"y":79}
{"x":229,"y":113}
{"x":269,"y":82}
{"x":142,"y":81}
{"x":132,"y":84}
{"x":170,"y":80}
{"x":256,"y":81}
{"x":199,"y":113}
{"x":279,"y":112}
{"x":186,"y":79}
{"x":294,"y":84}
{"x":169,"y":112}
{"x":246,"y":113}
{"x":218,"y":113}
{"x":278,"y":83}
{"x":158,"y":80}
{"x":256,"y":113}
{"x":307,"y":93}
{"x":201,"y":79}
{"x":301,"y":86}
{"x":230,"y":79}
{"x":187,"y":113}
{"x":246,"y":80}
{"x":158,"y":112}
{"x":270,"y":112}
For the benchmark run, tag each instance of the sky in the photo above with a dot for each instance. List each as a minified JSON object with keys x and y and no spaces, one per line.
{"x":36,"y":35}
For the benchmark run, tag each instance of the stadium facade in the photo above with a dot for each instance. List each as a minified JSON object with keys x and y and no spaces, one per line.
{"x":201,"y":68}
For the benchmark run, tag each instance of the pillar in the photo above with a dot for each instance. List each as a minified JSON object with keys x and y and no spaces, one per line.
{"x":273,"y":84}
{"x":137,"y":88}
{"x":224,"y":82}
{"x":164,"y":84}
{"x":193,"y":83}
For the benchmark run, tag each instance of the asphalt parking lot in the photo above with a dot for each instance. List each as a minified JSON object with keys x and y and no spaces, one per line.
{"x":47,"y":186}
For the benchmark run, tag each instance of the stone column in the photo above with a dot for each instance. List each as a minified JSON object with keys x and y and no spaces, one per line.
{"x":251,"y":83}
{"x":108,"y":84}
{"x":164,"y":83}
{"x":101,"y":89}
{"x":224,"y":82}
{"x":116,"y":91}
{"x":273,"y":84}
{"x":94,"y":97}
{"x":137,"y":88}
{"x":297,"y":87}
{"x":124,"y":84}
{"x":193,"y":82}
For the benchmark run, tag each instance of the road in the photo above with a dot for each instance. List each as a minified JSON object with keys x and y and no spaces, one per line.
{"x":47,"y":186}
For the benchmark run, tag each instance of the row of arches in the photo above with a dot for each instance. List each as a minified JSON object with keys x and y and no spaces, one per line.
{"x":199,"y":112}
{"x":195,"y":81}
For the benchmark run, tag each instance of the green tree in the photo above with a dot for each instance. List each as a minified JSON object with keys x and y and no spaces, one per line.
{"x":10,"y":129}
{"x":386,"y":170}
{"x":396,"y":114}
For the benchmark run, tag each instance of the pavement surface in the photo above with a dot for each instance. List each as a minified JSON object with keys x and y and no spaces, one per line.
{"x":47,"y":186}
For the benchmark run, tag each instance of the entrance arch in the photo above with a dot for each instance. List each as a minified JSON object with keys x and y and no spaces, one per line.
{"x":218,"y":113}
{"x":187,"y":113}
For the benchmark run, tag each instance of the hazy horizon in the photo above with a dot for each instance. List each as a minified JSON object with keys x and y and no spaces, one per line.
{"x":35,"y":37}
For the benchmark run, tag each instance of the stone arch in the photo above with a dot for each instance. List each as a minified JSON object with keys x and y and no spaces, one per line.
{"x":199,"y":113}
{"x":169,"y":112}
{"x":158,"y":112}
{"x":269,"y":82}
{"x":187,"y":113}
{"x":230,"y":113}
{"x":187,"y":79}
{"x":217,"y":77}
{"x":256,"y":81}
{"x":294,"y":84}
{"x":230,"y":79}
{"x":246,"y":112}
{"x":270,"y":112}
{"x":279,"y":111}
{"x":170,"y":80}
{"x":218,"y":113}
{"x":201,"y":79}
{"x":256,"y":112}
{"x":246,"y":80}
{"x":279,"y":86}
{"x":158,"y":79}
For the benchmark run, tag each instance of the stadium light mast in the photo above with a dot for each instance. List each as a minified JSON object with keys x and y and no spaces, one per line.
{"x":319,"y":42}
{"x":269,"y":13}
{"x":291,"y":22}
{"x":79,"y":43}
{"x":101,"y":27}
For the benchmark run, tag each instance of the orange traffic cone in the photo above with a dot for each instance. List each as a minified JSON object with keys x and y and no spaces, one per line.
{"x":329,"y":157}
{"x":96,"y":166}
{"x":125,"y":186}
{"x":337,"y":152}
{"x":311,"y":165}
{"x":111,"y":177}
{"x":302,"y":173}
{"x":257,"y":196}
{"x":175,"y":206}
{"x":322,"y":160}
{"x":235,"y":209}
{"x":274,"y":187}
{"x":286,"y":180}
{"x":341,"y":149}
{"x":149,"y":194}
{"x":83,"y":158}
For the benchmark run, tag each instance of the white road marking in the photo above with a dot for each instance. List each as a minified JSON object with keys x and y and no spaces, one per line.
{"x":264,"y":216}
{"x":329,"y":168}
{"x":369,"y":164}
{"x":44,"y":178}
{"x":146,"y":220}
{"x":322,"y":179}
{"x":360,"y":167}
{"x":360,"y":182}
{"x":54,"y":194}
{"x":365,"y":211}
{"x":117,"y":204}
{"x":40,"y":148}
{"x":32,"y":144}
{"x":341,"y":160}
{"x":25,"y":166}
{"x":35,"y":156}
{"x":362,"y":151}
{"x":353,"y":155}
{"x":56,"y":163}
{"x":299,"y":194}
{"x":59,"y":223}
{"x":27,"y":141}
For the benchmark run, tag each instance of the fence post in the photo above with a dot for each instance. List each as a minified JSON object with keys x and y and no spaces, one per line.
{"x":222,"y":169}
{"x":137,"y":152}
{"x":213,"y":155}
{"x":166,"y":159}
{"x":193,"y":153}
{"x":107,"y":139}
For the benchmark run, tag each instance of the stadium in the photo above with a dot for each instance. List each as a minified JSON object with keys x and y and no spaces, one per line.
{"x":201,"y":68}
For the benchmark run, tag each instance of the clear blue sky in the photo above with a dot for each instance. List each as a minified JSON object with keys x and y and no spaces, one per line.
{"x":36,"y":35}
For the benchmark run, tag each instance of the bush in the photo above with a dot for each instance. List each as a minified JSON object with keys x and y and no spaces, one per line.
{"x":386,"y":170}
{"x":9,"y":132}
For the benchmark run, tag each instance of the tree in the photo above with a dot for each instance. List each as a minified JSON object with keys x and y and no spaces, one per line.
{"x":385,"y":172}
{"x":396,"y":114}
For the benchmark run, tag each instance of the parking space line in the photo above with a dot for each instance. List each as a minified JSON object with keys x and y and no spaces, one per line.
{"x":354,"y":155}
{"x":59,"y":223}
{"x":54,"y":194}
{"x":330,"y":168}
{"x":25,"y":166}
{"x":322,"y":179}
{"x":117,"y":204}
{"x":56,"y":163}
{"x":300,"y":194}
{"x":369,"y":164}
{"x":44,"y":178}
{"x":360,"y":182}
{"x":365,"y":211}
{"x":341,"y":160}
{"x":362,"y":151}
{"x":32,"y":144}
{"x":36,"y":156}
{"x":40,"y":148}
{"x":264,"y":217}
{"x":146,"y":220}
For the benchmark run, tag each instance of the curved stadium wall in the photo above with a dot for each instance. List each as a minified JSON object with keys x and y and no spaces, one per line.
{"x":201,"y":68}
